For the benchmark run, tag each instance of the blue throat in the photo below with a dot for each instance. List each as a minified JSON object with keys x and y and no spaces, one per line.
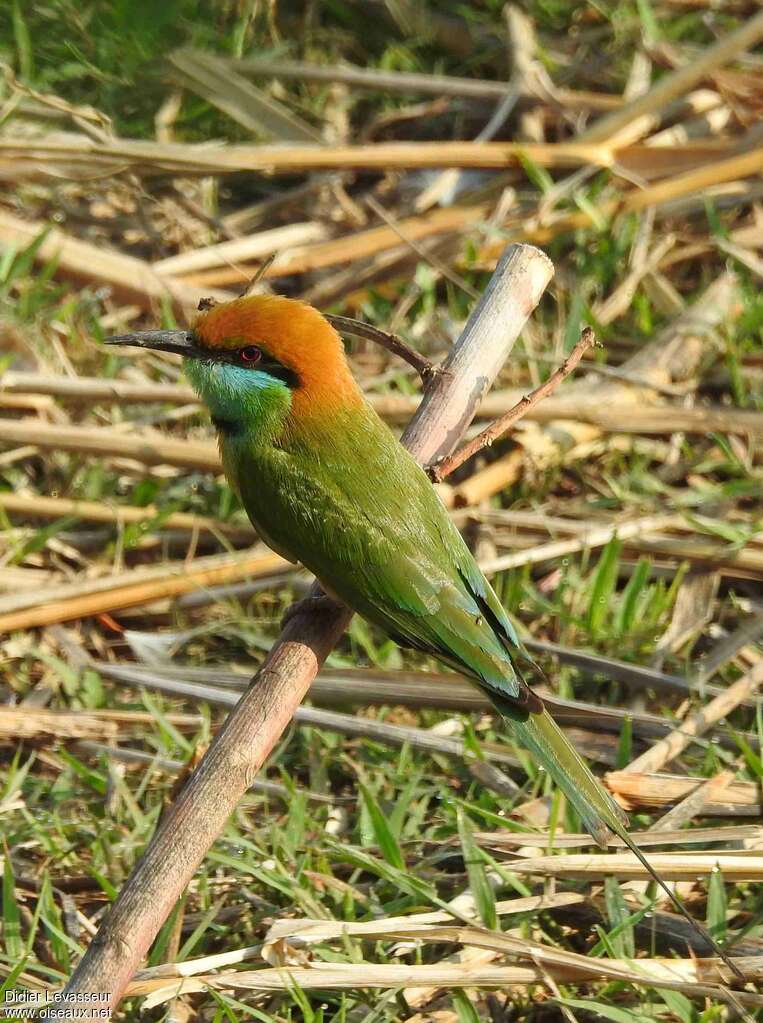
{"x":241,"y":401}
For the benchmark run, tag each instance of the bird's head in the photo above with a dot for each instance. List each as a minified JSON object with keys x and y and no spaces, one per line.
{"x":260,"y":355}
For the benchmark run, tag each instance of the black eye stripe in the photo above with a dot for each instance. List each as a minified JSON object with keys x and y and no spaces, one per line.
{"x":255,"y":358}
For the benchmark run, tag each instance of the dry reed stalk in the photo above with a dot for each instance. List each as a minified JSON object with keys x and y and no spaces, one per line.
{"x":349,"y":247}
{"x":671,"y":746}
{"x":25,"y":722}
{"x":219,"y":84}
{"x":595,"y":536}
{"x":412,"y":82}
{"x":697,"y":977}
{"x":37,"y":506}
{"x":643,"y":839}
{"x":128,"y":278}
{"x":722,"y":557}
{"x":255,"y":246}
{"x":322,"y":255}
{"x":344,"y":724}
{"x":695,"y":181}
{"x":296,"y":934}
{"x":503,"y":424}
{"x":142,"y":157}
{"x":140,"y":717}
{"x":485,"y":482}
{"x":680,"y":866}
{"x":669,"y":190}
{"x":149,"y":450}
{"x":129,"y":589}
{"x":632,"y":118}
{"x":92,"y":389}
{"x":674,"y":354}
{"x":653,"y":791}
{"x":190,"y":826}
{"x":656,"y":419}
{"x":709,"y":791}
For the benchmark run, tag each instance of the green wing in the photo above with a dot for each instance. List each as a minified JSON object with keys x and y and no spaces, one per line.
{"x":365,"y":519}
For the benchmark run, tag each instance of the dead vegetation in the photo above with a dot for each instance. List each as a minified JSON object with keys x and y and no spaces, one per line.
{"x":397,"y":840}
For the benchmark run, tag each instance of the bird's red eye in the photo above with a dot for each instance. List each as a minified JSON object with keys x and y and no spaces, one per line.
{"x":250,"y":354}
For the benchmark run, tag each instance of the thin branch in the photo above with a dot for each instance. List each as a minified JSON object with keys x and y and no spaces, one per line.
{"x":356,"y":328}
{"x":258,"y":274}
{"x":201,"y":810}
{"x":440,"y":470}
{"x":420,"y":250}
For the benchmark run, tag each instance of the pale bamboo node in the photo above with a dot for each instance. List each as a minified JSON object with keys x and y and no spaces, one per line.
{"x":199,"y":813}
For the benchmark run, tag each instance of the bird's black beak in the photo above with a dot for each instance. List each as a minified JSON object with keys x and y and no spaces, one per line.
{"x":183,"y":342}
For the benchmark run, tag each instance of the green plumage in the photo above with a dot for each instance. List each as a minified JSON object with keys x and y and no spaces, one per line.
{"x":326,"y":483}
{"x":347,"y":501}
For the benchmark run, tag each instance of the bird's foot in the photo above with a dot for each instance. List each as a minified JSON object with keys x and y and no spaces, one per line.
{"x":319,"y":604}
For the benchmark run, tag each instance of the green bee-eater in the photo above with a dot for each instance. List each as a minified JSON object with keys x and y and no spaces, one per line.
{"x":326,"y":483}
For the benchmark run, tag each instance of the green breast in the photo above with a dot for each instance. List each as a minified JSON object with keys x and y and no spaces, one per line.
{"x":352,"y":505}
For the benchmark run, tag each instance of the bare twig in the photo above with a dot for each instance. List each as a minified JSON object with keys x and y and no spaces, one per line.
{"x":201,"y":810}
{"x":393,"y":343}
{"x":440,"y":470}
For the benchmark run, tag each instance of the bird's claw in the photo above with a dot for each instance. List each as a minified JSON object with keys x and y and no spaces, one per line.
{"x":433,"y":471}
{"x":319,"y":604}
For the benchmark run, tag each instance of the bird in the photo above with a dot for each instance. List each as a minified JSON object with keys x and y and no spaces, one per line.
{"x":327,"y":484}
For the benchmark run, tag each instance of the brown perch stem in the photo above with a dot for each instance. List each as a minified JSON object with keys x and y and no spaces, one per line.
{"x":440,"y":470}
{"x":201,"y":810}
{"x":393,"y":343}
